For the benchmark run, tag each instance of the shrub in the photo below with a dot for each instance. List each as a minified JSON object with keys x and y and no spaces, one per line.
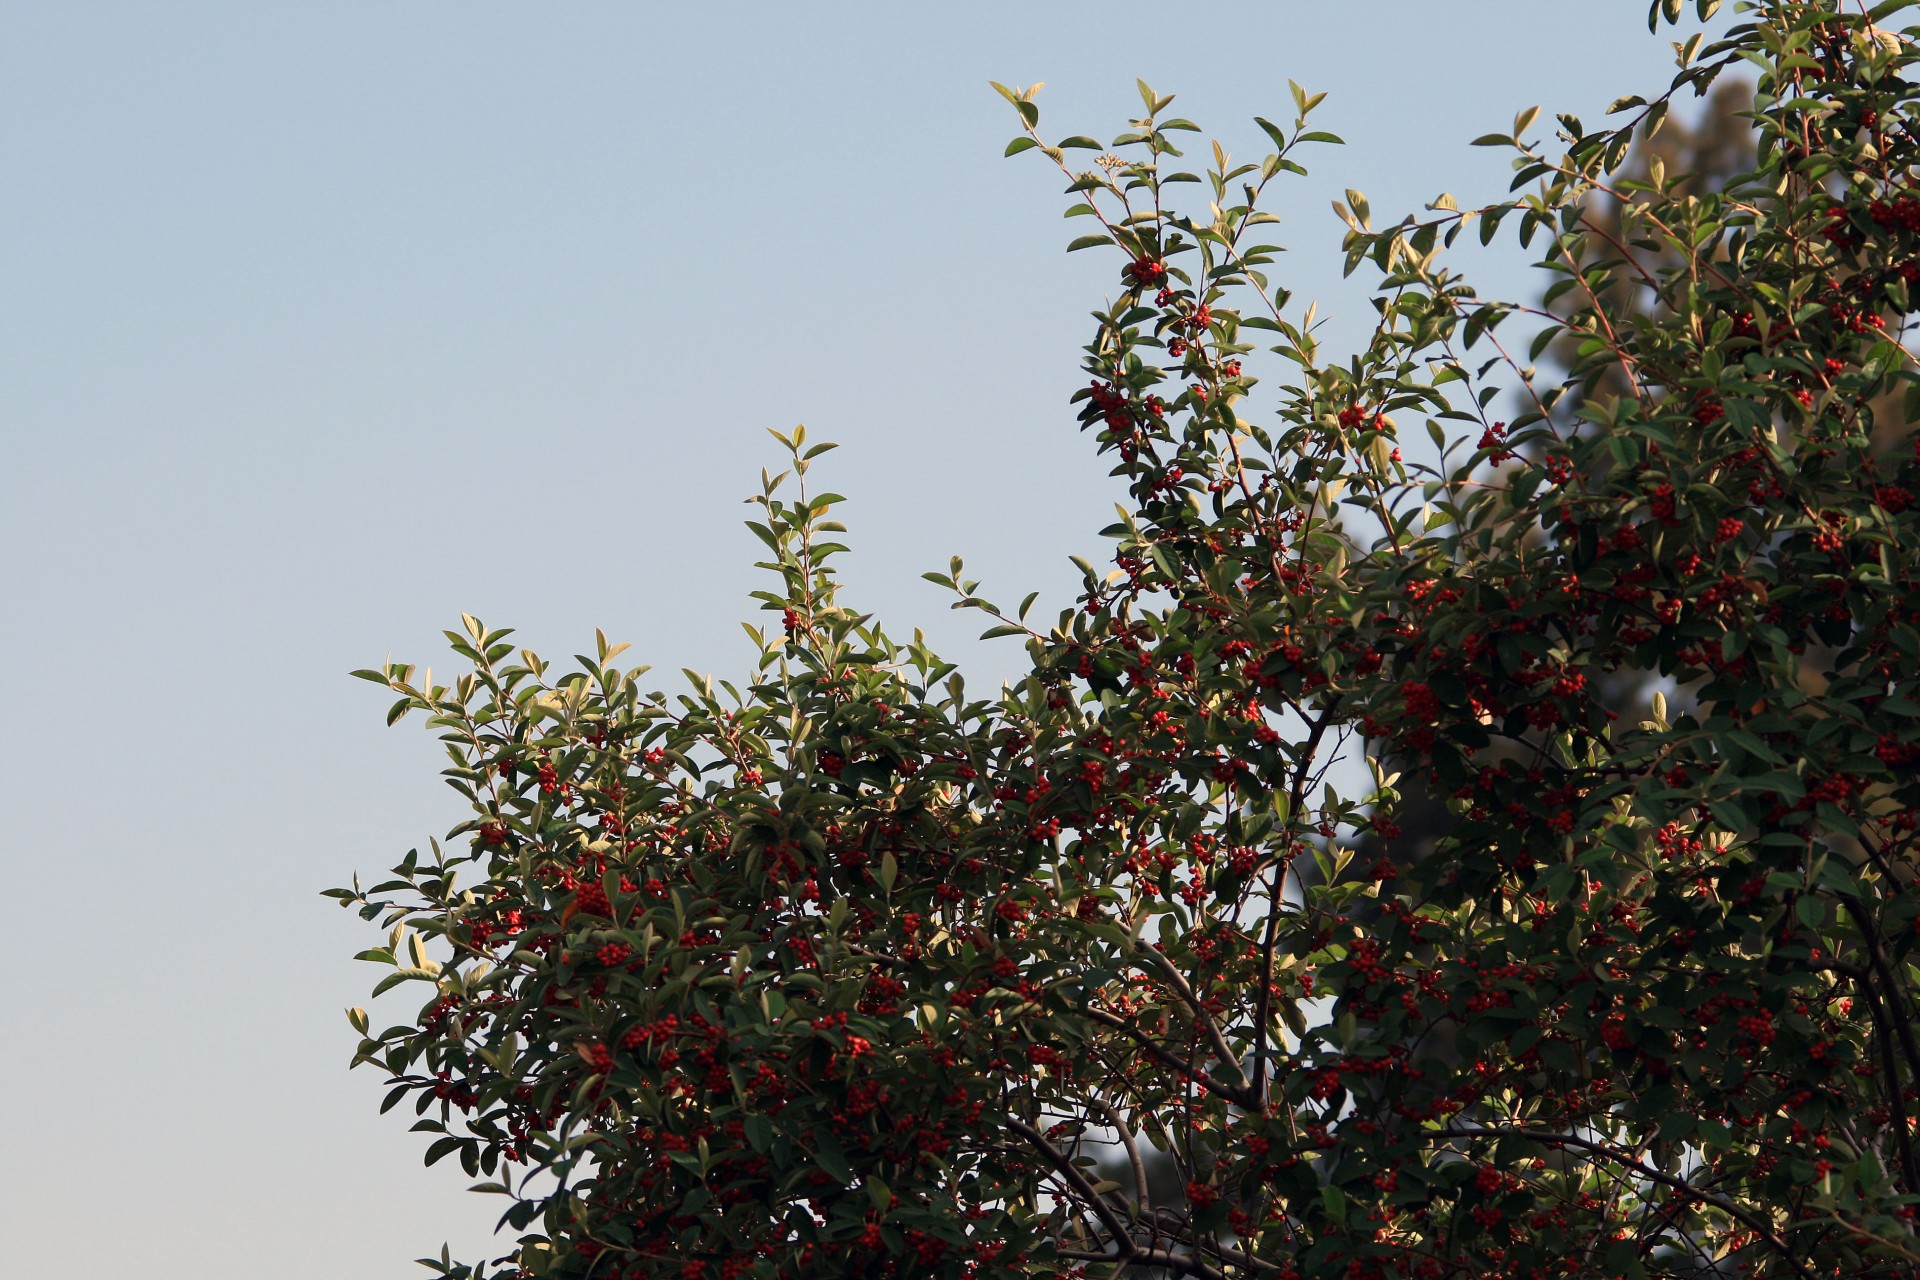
{"x":842,"y":971}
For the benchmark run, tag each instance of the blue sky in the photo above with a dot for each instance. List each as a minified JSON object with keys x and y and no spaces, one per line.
{"x":324,"y":323}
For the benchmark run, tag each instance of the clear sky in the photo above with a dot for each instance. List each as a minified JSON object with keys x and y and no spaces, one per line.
{"x":321,"y":323}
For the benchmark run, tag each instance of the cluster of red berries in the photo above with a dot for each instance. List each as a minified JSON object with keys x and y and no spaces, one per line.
{"x":1493,"y":439}
{"x":1758,"y":1027}
{"x":1112,"y":405}
{"x":1145,"y":272}
{"x":1902,"y":213}
{"x":1839,"y":230}
{"x":1423,"y":704}
{"x":657,"y":1032}
{"x":1896,"y":754}
{"x":1663,"y":506}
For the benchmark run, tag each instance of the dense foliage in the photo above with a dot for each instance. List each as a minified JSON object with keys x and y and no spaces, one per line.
{"x":842,"y":971}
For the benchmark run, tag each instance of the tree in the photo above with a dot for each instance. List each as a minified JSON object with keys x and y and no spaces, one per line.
{"x":841,"y":971}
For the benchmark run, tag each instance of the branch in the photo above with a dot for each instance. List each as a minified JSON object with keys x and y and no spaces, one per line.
{"x":1184,"y":1263}
{"x":1122,"y":1238}
{"x":1185,"y":991}
{"x":1896,"y":1008}
{"x":1759,"y":1226}
{"x":1890,"y":1069}
{"x":878,"y":957}
{"x":1263,"y":1009}
{"x":1119,"y":1123}
{"x":1211,"y":1083}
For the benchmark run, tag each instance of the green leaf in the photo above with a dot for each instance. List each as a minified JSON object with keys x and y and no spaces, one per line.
{"x":1022,"y":143}
{"x":1335,"y":1201}
{"x":443,"y":1148}
{"x":1089,"y":242}
{"x":831,"y":1158}
{"x":759,"y":1131}
{"x":1753,"y":746}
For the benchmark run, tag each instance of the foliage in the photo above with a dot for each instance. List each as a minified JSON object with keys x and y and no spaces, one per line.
{"x":844,"y":972}
{"x":1702,"y":156}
